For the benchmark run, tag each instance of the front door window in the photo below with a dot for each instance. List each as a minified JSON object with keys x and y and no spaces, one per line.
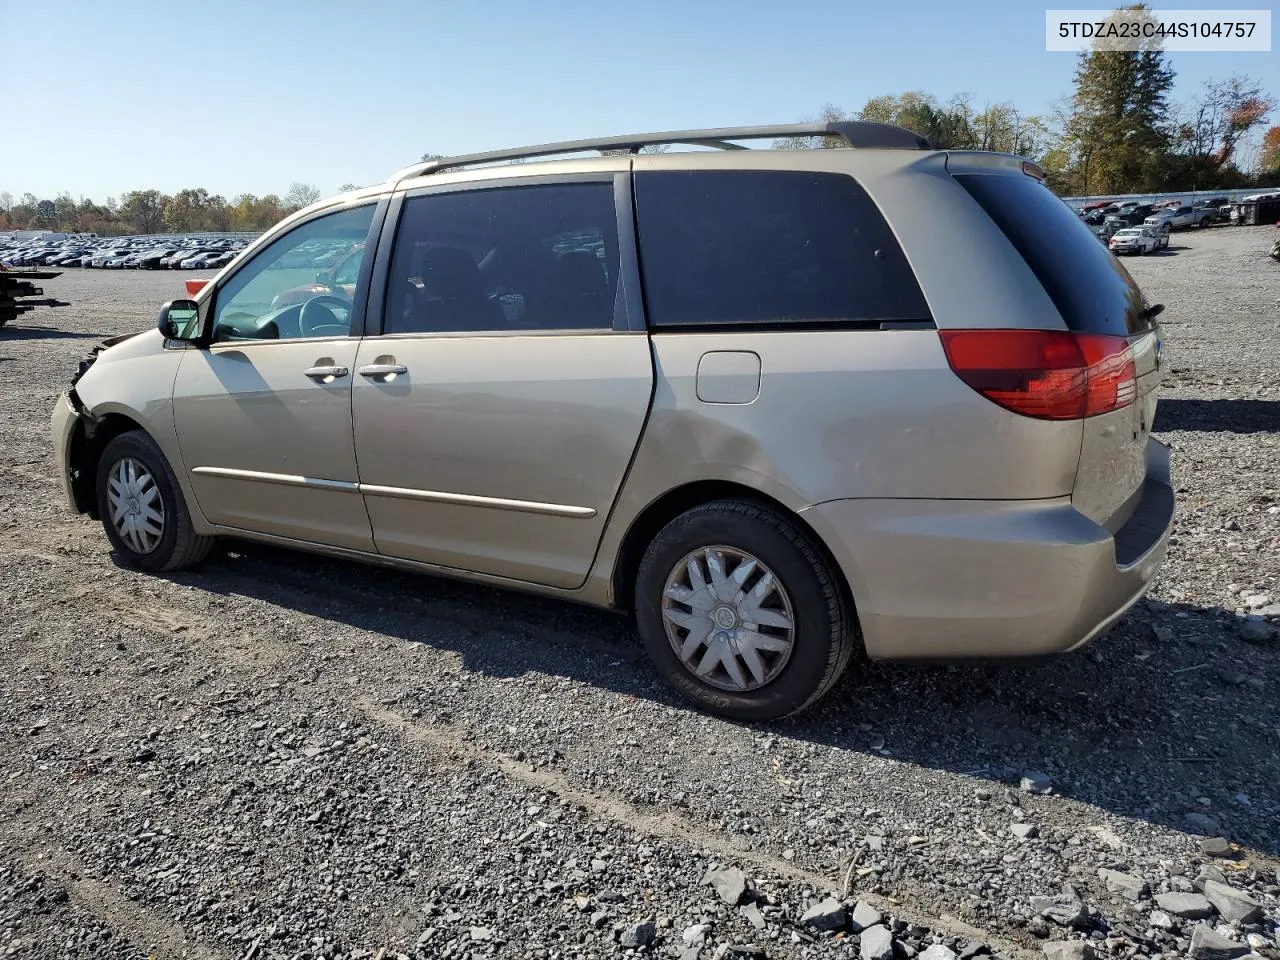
{"x":281,"y":294}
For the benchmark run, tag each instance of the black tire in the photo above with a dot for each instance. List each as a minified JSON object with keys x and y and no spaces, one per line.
{"x":179,"y":545}
{"x":825,"y":625}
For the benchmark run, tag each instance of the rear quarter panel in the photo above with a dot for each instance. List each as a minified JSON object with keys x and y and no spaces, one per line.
{"x":843,"y":414}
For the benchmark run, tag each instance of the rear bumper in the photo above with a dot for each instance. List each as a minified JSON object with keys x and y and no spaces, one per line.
{"x":943,"y":579}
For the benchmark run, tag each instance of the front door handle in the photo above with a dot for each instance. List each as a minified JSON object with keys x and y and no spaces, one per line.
{"x":325,"y":373}
{"x":386,"y":371}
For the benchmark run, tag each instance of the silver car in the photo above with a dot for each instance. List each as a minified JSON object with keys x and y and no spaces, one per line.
{"x":785,"y":407}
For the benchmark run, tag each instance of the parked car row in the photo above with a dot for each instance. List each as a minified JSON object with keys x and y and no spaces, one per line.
{"x":128,"y":253}
{"x":1201,"y":213}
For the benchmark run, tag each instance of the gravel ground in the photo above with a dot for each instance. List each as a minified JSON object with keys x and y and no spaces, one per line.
{"x":281,"y":756}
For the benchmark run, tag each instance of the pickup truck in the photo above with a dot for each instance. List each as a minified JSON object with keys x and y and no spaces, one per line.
{"x":1179,"y":217}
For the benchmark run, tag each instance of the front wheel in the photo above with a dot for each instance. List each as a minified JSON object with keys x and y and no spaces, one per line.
{"x":741,"y":612}
{"x":142,"y":507}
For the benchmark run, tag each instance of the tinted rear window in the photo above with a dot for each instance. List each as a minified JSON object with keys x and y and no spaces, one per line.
{"x":769,"y":249}
{"x":1090,"y":287}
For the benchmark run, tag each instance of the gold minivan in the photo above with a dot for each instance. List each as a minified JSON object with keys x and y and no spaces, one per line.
{"x":784,"y":405}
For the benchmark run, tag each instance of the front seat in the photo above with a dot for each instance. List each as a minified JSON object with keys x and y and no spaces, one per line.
{"x":452,"y":295}
{"x":583,"y":291}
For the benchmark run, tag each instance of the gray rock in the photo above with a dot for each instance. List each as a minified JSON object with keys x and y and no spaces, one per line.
{"x":1258,"y":942}
{"x":751,"y":913}
{"x":1069,"y":950}
{"x":1206,"y":944}
{"x":938,"y":952}
{"x":1064,"y":911}
{"x":1161,"y":920}
{"x":600,"y":919}
{"x":1035,"y":782}
{"x":1209,"y":872}
{"x":1181,"y":885}
{"x":1025,"y":831}
{"x":865,"y":915}
{"x":1187,"y":906}
{"x":639,"y":934}
{"x":729,"y":883}
{"x":877,"y":943}
{"x":1234,"y":906}
{"x":481,"y":934}
{"x":1124,"y":884}
{"x":1216,"y":847}
{"x":1203,"y":823}
{"x":696,"y":934}
{"x":1257,"y":631}
{"x":825,"y":915}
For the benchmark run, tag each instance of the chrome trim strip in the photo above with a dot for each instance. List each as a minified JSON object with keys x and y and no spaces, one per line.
{"x":401,"y":493}
{"x":468,"y":500}
{"x":285,"y":479}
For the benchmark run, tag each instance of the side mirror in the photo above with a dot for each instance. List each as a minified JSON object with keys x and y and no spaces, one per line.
{"x":180,"y":320}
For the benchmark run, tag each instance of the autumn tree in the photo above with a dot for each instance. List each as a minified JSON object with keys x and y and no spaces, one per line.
{"x":1269,"y":156}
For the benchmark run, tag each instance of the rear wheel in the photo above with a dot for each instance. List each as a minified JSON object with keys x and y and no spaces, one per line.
{"x":142,"y":507}
{"x":741,"y":612}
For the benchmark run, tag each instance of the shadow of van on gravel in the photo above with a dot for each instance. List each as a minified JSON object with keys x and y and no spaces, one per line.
{"x":1171,"y":714}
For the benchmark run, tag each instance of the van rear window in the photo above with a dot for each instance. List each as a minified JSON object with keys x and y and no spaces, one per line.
{"x":1090,"y":287}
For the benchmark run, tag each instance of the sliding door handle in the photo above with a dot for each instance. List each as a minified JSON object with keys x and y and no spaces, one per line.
{"x":382,"y":370}
{"x":326,"y":373}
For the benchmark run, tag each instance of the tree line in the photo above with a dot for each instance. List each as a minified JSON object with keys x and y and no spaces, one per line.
{"x":151,"y":211}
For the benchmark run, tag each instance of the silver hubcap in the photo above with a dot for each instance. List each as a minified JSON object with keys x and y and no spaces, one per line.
{"x":137,"y":512}
{"x":728,"y":618}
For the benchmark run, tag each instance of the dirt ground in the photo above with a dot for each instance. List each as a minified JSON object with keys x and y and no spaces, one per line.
{"x":278,"y":755}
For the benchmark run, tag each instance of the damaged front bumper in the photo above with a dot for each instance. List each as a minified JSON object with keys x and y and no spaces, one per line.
{"x":66,"y":429}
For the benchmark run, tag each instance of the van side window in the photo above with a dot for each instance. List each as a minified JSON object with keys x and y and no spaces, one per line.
{"x":538,"y":257}
{"x":290,"y":288}
{"x":777,"y":249}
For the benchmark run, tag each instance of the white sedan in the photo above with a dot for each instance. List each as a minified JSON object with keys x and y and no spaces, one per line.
{"x":1140,"y":240}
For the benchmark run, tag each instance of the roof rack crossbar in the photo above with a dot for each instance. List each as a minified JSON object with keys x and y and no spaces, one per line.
{"x":856,"y":133}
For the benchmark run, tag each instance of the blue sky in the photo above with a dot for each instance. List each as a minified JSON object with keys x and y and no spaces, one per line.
{"x":240,"y":96}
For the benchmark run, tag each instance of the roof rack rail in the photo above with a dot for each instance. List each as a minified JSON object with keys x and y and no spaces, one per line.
{"x":856,"y":133}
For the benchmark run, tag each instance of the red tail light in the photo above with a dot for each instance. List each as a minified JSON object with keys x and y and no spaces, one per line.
{"x":1045,"y":374}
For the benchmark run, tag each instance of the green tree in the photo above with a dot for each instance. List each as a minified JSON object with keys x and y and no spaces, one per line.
{"x":143,"y":210}
{"x":1120,"y":112}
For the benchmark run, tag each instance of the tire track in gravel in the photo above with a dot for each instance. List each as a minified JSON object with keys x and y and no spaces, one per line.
{"x":164,"y":938}
{"x":448,"y":741}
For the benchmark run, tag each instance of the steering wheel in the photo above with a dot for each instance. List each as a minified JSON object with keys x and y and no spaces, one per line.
{"x":317,"y":319}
